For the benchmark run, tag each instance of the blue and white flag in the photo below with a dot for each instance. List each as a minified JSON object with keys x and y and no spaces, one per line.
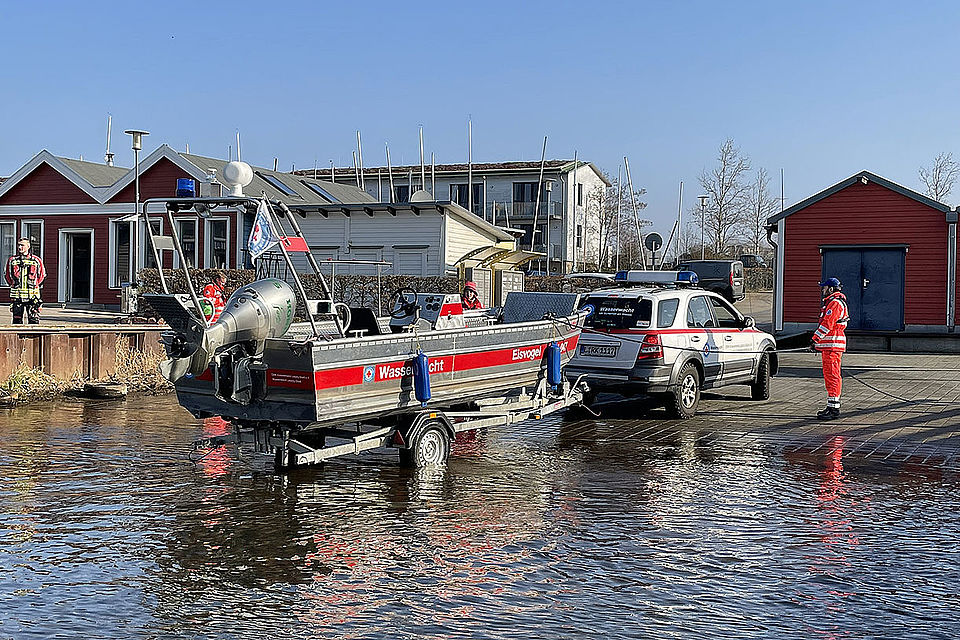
{"x":262,"y":236}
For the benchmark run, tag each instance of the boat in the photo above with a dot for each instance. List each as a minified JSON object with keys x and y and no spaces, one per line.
{"x":259,"y":365}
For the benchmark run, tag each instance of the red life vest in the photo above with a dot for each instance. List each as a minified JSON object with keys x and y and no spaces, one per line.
{"x":214,"y":295}
{"x":834,"y":316}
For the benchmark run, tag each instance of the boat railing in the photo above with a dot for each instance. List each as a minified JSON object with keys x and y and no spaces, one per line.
{"x":277,"y":213}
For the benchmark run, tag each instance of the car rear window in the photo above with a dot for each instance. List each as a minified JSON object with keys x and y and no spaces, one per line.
{"x":620,"y":313}
{"x":709,"y":269}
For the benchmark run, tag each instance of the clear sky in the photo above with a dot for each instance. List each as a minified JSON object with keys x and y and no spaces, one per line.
{"x":819,"y":89}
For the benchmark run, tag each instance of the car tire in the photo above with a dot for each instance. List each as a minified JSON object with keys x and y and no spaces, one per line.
{"x":683,"y":400}
{"x":760,"y":387}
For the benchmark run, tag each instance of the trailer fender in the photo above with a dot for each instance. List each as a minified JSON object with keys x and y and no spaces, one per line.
{"x":410,"y":431}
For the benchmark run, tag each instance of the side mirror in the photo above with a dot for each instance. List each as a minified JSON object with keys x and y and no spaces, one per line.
{"x":749,"y":322}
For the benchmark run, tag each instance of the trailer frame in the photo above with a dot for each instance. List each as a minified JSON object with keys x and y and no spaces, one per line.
{"x":422,"y":436}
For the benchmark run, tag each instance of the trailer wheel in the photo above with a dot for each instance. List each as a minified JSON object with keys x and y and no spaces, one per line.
{"x":430,"y":448}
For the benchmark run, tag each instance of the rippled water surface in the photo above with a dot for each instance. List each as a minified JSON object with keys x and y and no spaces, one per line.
{"x":108,"y":531}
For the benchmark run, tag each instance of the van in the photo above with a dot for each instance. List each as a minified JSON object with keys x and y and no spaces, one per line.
{"x":720,"y":276}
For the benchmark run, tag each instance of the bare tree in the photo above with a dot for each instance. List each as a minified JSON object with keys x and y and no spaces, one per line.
{"x":728,"y":203}
{"x":762,"y":205}
{"x":939,"y":178}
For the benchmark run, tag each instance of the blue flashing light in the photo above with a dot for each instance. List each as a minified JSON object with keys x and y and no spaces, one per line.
{"x":687,"y":277}
{"x":186,"y":188}
{"x":621,"y":276}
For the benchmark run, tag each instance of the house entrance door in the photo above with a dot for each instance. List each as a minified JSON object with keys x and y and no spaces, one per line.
{"x":78,"y":272}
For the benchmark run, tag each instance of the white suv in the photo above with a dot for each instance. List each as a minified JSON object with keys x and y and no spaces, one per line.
{"x":660,"y":335}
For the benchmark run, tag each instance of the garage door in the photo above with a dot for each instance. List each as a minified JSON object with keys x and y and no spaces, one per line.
{"x":873,"y":281}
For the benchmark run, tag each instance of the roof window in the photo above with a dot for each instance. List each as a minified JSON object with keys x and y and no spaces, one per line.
{"x":320,"y":191}
{"x":276,"y":183}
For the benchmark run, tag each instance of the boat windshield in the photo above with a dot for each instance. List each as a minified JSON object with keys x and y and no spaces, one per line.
{"x":619,"y":313}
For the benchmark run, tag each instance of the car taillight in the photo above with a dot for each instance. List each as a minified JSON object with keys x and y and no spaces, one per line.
{"x":651,"y":347}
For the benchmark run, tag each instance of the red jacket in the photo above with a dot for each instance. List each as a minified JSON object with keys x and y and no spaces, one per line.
{"x":215,"y":297}
{"x":24,"y":274}
{"x":831,"y":334}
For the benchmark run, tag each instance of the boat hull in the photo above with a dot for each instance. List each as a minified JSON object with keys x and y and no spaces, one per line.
{"x":347,"y":380}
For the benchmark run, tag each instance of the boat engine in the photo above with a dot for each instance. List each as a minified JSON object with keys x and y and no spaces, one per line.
{"x":232,"y":347}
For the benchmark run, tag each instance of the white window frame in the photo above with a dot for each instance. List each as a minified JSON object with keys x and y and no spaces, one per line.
{"x":145,"y":245}
{"x":12,"y":223}
{"x":62,"y":261}
{"x":23,"y":234}
{"x":111,"y":239}
{"x":196,"y":241}
{"x":208,"y":241}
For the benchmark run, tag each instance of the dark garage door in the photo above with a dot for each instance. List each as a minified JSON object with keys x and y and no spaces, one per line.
{"x":872,"y":280}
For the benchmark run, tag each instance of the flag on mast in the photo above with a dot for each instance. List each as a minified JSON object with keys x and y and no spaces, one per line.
{"x":262,"y":236}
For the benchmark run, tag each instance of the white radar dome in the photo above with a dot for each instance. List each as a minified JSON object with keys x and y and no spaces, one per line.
{"x":236,"y":175}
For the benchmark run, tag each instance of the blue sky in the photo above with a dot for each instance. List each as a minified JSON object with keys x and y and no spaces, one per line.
{"x":819,"y":89}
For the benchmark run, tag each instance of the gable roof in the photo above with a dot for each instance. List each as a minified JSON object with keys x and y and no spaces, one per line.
{"x":861,"y":176}
{"x":97,"y":174}
{"x":70,"y":169}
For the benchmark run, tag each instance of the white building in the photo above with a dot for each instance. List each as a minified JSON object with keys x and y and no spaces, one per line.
{"x":504,"y":195}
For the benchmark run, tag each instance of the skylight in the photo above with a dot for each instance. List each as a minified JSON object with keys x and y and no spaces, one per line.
{"x":278,"y":184}
{"x":320,"y":191}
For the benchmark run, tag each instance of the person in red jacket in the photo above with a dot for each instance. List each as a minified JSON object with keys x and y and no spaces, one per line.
{"x":831,"y":341}
{"x":214,"y":294}
{"x":24,"y":274}
{"x":469,"y":296}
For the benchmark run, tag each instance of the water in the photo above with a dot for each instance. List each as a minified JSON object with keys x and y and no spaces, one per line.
{"x":108,"y":531}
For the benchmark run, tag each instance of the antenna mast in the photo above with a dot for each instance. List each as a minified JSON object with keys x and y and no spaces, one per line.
{"x":108,"y":157}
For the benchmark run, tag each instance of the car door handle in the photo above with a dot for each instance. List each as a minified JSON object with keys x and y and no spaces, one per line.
{"x":694,"y":338}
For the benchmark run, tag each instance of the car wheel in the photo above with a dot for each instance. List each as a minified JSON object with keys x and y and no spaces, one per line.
{"x":760,"y":387}
{"x":683,"y":400}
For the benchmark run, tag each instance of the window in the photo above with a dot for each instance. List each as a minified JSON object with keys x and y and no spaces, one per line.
{"x":524,"y":191}
{"x":148,"y":262}
{"x":401,"y":193}
{"x":277,"y":183}
{"x":458,"y":194}
{"x":217,"y":251}
{"x":726,"y":317}
{"x":667,"y":312}
{"x":408,"y":262}
{"x":620,"y":313}
{"x":320,"y":191}
{"x":737,"y":270}
{"x":8,"y":244}
{"x":579,"y":236}
{"x":33,"y":229}
{"x":120,"y":246}
{"x":579,"y":194}
{"x":527,"y":234}
{"x":698,"y":313}
{"x":187,"y":230}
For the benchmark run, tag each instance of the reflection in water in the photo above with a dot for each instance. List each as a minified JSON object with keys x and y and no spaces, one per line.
{"x":560,"y":529}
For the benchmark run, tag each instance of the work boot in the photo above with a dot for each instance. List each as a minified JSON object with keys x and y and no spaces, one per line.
{"x":830,"y":413}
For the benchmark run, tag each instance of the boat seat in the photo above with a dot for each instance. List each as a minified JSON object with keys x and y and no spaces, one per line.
{"x":364,"y":320}
{"x":528,"y":306}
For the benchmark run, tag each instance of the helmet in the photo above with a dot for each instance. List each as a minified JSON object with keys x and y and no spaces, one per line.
{"x":470,"y":284}
{"x":830,"y":282}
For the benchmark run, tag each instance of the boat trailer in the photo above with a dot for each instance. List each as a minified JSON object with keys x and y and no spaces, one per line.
{"x":422,"y":437}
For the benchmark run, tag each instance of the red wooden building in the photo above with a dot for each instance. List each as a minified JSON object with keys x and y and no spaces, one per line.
{"x":78,"y":217}
{"x":893,"y":249}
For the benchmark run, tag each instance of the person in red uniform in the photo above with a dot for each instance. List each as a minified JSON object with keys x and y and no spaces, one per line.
{"x":831,"y":341}
{"x":469,"y":296}
{"x":24,"y":274}
{"x":215,"y":295}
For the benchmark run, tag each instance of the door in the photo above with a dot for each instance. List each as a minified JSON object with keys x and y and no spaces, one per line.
{"x":736,"y":344}
{"x":703,"y":338}
{"x":873,"y":282}
{"x":78,"y":270}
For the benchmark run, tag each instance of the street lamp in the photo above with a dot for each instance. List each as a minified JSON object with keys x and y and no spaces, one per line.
{"x":703,"y":220}
{"x":137,"y":143}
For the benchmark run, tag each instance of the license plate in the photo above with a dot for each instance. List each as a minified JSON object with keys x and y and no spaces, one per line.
{"x":599,"y":350}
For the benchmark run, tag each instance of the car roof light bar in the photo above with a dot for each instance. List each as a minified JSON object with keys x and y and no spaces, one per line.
{"x":677,"y":278}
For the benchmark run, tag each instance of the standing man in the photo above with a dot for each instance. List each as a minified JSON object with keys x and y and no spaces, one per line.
{"x":25,"y":273}
{"x":214,"y":294}
{"x":831,"y":341}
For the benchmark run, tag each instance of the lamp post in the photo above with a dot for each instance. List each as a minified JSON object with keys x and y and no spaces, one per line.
{"x":703,"y":221}
{"x":136,"y":138}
